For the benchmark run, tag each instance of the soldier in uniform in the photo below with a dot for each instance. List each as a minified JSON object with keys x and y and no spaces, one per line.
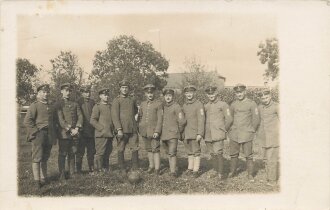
{"x":242,"y":132}
{"x":194,"y":130}
{"x":102,"y":122}
{"x":172,"y":128}
{"x":41,"y":132}
{"x":70,"y":121}
{"x":150,"y":127}
{"x":86,"y":141}
{"x":123,"y":111}
{"x":268,"y":134}
{"x":218,"y":121}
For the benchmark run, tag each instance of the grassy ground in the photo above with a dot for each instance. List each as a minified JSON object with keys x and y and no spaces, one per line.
{"x":113,"y":184}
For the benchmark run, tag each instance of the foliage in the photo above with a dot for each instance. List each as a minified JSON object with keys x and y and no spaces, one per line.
{"x":268,"y":53}
{"x":26,"y":80}
{"x":65,"y":68}
{"x":126,"y":57}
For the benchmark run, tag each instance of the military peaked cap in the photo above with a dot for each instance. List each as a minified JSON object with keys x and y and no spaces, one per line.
{"x":190,"y":88}
{"x":43,"y":87}
{"x":210,"y":89}
{"x":239,"y":88}
{"x":85,"y":88}
{"x":124,"y":82}
{"x":149,"y":88}
{"x":104,"y":91}
{"x":168,"y":91}
{"x":265,"y":91}
{"x":66,"y":85}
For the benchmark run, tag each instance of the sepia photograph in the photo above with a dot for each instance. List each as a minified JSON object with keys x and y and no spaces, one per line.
{"x":153,"y":100}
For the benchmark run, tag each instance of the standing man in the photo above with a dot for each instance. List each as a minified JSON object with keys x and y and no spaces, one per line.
{"x":194,"y":130}
{"x":102,"y":122}
{"x":70,"y":120}
{"x":150,"y":127}
{"x":87,"y":141}
{"x":172,"y":128}
{"x":218,"y":121}
{"x":39,"y":122}
{"x":123,"y":111}
{"x":242,"y":132}
{"x":268,"y":134}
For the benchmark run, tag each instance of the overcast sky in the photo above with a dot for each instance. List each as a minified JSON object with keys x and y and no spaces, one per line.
{"x":223,"y":41}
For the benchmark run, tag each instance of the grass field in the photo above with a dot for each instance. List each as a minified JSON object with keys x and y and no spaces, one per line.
{"x":113,"y":184}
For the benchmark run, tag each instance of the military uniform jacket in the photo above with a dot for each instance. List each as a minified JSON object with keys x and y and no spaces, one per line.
{"x":195,"y":116}
{"x":102,"y":121}
{"x":268,"y":131}
{"x":246,"y":120}
{"x":86,"y":107}
{"x":218,"y":120}
{"x":123,"y":113}
{"x":150,"y":118}
{"x":173,"y":121}
{"x":69,"y":116}
{"x":41,"y":116}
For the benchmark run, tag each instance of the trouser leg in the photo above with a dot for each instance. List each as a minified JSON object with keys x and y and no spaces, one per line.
{"x":272,"y":163}
{"x":90,"y":153}
{"x":134,"y":145}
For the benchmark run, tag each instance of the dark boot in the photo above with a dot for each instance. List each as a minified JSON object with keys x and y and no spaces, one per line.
{"x":215,"y":162}
{"x":106,"y":164}
{"x":121,"y":163}
{"x":61,"y":167}
{"x":249,"y":164}
{"x":233,"y":166}
{"x":90,"y":162}
{"x":220,"y":166}
{"x":79,"y":165}
{"x":135,"y":160}
{"x":71,"y":166}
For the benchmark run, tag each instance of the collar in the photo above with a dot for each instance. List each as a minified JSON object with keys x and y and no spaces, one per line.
{"x":123,"y":96}
{"x":43,"y":102}
{"x":191,"y":102}
{"x":268,"y":105}
{"x":169,"y":104}
{"x":215,"y":101}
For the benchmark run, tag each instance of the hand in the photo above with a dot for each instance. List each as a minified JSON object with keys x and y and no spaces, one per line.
{"x":155,"y":136}
{"x":74,"y":132}
{"x":198,"y":137}
{"x":120,"y":134}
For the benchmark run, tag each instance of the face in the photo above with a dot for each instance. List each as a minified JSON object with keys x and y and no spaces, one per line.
{"x":240,"y":95}
{"x":212,"y":96}
{"x":168,"y":98}
{"x":86,"y":95}
{"x":66,"y":93}
{"x":150,"y":95}
{"x":190,"y":95}
{"x":265,"y":99}
{"x":104,"y":97}
{"x":124,"y":90}
{"x":43,"y":95}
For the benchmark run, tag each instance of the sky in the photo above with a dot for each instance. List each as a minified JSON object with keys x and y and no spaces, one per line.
{"x":228,"y":43}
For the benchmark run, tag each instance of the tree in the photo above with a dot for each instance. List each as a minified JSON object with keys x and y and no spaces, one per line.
{"x":65,"y":68}
{"x":268,"y":53}
{"x":26,"y":80}
{"x":126,"y":57}
{"x":197,"y":74}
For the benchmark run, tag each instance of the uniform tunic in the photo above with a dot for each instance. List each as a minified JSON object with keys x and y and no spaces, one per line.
{"x":268,"y":132}
{"x":194,"y":113}
{"x":151,"y":118}
{"x":218,"y":120}
{"x":69,"y":116}
{"x":102,"y":121}
{"x":86,"y":107}
{"x":173,"y":121}
{"x":246,"y":120}
{"x":123,"y":113}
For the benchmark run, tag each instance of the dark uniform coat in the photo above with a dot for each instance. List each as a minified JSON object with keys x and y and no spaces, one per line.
{"x":246,"y":120}
{"x":86,"y":107}
{"x":40,"y":116}
{"x":69,"y":116}
{"x":102,"y":121}
{"x":173,"y":121}
{"x":123,"y":113}
{"x":218,"y":120}
{"x":268,"y":131}
{"x":195,"y":116}
{"x":150,"y":118}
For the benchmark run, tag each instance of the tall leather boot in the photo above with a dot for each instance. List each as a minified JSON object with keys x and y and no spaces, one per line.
{"x":43,"y":172}
{"x":36,"y":175}
{"x":121,"y":163}
{"x":215,"y":162}
{"x":90,"y":162}
{"x":220,"y":166}
{"x":233,"y":166}
{"x":250,"y":170}
{"x":135,"y":160}
{"x":61,"y":167}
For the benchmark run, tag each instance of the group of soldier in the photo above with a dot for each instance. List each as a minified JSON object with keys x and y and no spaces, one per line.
{"x":86,"y":125}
